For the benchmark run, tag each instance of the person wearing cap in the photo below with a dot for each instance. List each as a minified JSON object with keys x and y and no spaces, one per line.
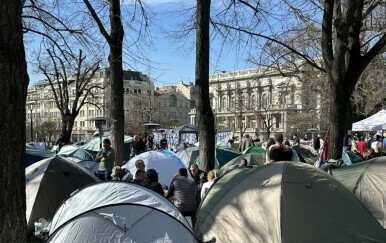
{"x":152,"y":183}
{"x":106,"y":160}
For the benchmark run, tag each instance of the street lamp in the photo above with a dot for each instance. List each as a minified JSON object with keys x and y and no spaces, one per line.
{"x":31,"y":107}
{"x":100,"y":122}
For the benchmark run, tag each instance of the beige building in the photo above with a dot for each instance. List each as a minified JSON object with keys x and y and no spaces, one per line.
{"x":41,"y":106}
{"x":256,"y":100}
{"x":175,"y":108}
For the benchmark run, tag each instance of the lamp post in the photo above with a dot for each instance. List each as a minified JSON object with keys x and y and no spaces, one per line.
{"x":99,"y":123}
{"x":30,"y":107}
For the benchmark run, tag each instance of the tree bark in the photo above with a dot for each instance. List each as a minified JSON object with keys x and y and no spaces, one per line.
{"x":116,"y":80}
{"x":13,"y":83}
{"x":205,"y":118}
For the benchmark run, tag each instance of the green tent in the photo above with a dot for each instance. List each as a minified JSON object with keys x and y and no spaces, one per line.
{"x":252,"y":158}
{"x":254,"y":149}
{"x":368,"y":181}
{"x":223,"y":155}
{"x":350,"y":158}
{"x":283,"y":202}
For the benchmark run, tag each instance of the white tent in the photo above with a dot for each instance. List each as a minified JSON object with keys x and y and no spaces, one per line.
{"x":372,"y":123}
{"x":48,"y":183}
{"x":188,"y":155}
{"x":115,"y":211}
{"x":165,"y":165}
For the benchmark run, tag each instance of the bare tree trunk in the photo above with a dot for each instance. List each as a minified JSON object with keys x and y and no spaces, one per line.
{"x":205,"y":118}
{"x":67,"y":126}
{"x":116,"y":79}
{"x":13,"y":83}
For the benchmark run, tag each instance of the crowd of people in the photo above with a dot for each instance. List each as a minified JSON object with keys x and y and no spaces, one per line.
{"x":368,"y":148}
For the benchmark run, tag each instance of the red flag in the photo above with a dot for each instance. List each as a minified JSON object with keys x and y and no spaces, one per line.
{"x":323,"y":156}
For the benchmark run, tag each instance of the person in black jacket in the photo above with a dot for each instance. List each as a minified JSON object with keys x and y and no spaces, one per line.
{"x":151,"y":182}
{"x":317,"y":143}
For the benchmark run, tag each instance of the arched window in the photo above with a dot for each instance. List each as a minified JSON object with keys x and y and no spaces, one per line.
{"x":264,"y":100}
{"x":253,"y":101}
{"x":213,"y":103}
{"x":244,"y":101}
{"x":223,"y":102}
{"x":172,"y":101}
{"x":233,"y":101}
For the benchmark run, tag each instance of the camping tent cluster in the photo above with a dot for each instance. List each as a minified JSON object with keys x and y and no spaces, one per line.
{"x":279,"y":202}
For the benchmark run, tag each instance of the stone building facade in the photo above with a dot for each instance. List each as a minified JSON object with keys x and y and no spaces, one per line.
{"x":256,"y":101}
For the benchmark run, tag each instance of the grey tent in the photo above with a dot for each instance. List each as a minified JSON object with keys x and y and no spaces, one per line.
{"x":188,"y":155}
{"x":115,"y":211}
{"x":48,"y":183}
{"x":368,"y":181}
{"x":284,"y":202}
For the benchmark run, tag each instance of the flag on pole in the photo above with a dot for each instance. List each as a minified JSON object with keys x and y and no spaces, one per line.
{"x":323,"y":155}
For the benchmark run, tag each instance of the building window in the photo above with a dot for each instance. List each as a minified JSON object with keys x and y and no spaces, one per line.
{"x":172,"y":101}
{"x":253,"y":101}
{"x":264,"y":100}
{"x":223,"y":102}
{"x":232,"y":105}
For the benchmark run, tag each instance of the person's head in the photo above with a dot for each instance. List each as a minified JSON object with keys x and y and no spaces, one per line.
{"x":361,"y":138}
{"x":270,"y":142}
{"x":140,"y":165}
{"x":257,"y":139}
{"x":247,"y":135}
{"x":182,"y":172}
{"x":152,"y":175}
{"x":211,"y":175}
{"x":279,"y":137}
{"x":287,"y":143}
{"x":193,"y":169}
{"x":136,"y":138}
{"x":243,"y":162}
{"x":295,"y":135}
{"x":106,"y":143}
{"x":140,"y":175}
{"x":319,"y":135}
{"x":371,"y":151}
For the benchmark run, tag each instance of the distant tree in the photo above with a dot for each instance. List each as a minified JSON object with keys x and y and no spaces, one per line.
{"x":71,"y":85}
{"x":369,"y":95}
{"x":47,"y":131}
{"x":14,"y":84}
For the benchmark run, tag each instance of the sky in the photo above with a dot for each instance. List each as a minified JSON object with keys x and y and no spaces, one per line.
{"x":171,"y":61}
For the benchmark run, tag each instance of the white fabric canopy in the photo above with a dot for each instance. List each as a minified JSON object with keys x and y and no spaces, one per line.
{"x":165,"y":165}
{"x":372,"y":123}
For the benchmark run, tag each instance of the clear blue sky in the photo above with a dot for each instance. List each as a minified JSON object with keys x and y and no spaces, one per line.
{"x":170,"y":61}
